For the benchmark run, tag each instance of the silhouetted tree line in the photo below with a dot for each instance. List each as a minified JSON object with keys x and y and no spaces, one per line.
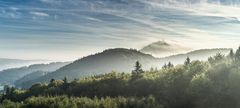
{"x":193,"y":84}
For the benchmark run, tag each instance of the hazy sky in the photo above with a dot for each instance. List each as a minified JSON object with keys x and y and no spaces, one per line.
{"x":70,"y":29}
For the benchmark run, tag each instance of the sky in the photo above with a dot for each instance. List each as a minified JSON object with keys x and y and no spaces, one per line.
{"x":65,"y":30}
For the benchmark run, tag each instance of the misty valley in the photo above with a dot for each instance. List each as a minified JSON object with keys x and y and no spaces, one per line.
{"x":127,"y":78}
{"x":119,"y":53}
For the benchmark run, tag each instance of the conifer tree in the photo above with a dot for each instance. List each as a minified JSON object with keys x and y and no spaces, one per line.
{"x":170,"y":65}
{"x":52,"y":80}
{"x":231,"y":55}
{"x":187,"y":61}
{"x":65,"y":80}
{"x":136,"y":73}
{"x":138,"y":67}
{"x":165,"y":66}
{"x":65,"y":83}
{"x":237,"y":55}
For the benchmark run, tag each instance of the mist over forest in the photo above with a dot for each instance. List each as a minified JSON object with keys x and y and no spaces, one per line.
{"x":119,"y":54}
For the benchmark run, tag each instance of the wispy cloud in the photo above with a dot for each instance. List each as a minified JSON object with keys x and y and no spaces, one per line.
{"x":41,"y":14}
{"x":14,"y":8}
{"x":54,"y":2}
{"x":76,"y":25}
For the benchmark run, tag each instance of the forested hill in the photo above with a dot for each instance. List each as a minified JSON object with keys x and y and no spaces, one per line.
{"x":6,"y":63}
{"x":31,"y":76}
{"x":120,"y":60}
{"x":162,"y":48}
{"x":193,"y":84}
{"x":201,"y":54}
{"x":9,"y":76}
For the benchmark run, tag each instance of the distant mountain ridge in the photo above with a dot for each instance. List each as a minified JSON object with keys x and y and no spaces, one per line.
{"x":162,"y":48}
{"x":9,"y":76}
{"x":120,"y":60}
{"x":201,"y":54}
{"x":6,"y":63}
{"x":34,"y":75}
{"x":113,"y":59}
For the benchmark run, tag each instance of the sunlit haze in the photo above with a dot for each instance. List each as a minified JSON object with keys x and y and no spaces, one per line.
{"x":65,"y":30}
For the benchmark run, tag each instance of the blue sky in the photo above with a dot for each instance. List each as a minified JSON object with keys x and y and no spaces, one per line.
{"x":70,"y":29}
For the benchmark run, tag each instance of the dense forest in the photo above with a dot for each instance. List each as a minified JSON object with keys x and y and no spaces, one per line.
{"x":116,"y":59}
{"x":193,"y":84}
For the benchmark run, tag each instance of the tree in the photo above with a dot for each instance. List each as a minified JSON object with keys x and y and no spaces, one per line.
{"x":65,"y":83}
{"x":136,"y":73}
{"x":138,"y":67}
{"x":237,"y":55}
{"x":36,"y":89}
{"x":218,"y":58}
{"x":7,"y":90}
{"x":55,"y":83}
{"x":52,"y":80}
{"x":165,"y":66}
{"x":65,"y":80}
{"x":231,"y":54}
{"x":170,"y":65}
{"x":187,"y":61}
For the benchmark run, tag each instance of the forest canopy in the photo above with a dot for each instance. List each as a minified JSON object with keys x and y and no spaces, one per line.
{"x":193,"y":84}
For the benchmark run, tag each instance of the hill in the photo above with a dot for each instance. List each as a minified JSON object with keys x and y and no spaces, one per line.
{"x":162,"y":48}
{"x":34,"y":75}
{"x":6,"y":63}
{"x":9,"y":76}
{"x":120,"y":60}
{"x":195,"y":84}
{"x":201,"y":54}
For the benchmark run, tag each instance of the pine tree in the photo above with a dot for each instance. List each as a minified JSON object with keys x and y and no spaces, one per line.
{"x":65,"y":80}
{"x":170,"y":65}
{"x":237,"y":55}
{"x":65,"y":83}
{"x":52,"y":80}
{"x":187,"y":61}
{"x":136,"y":73}
{"x":165,"y":66}
{"x":138,"y":67}
{"x":231,"y":54}
{"x":7,"y":90}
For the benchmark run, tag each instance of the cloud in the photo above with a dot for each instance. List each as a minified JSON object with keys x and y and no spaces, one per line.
{"x":48,"y":1}
{"x":93,"y":19}
{"x":41,"y":14}
{"x":53,"y":2}
{"x":207,"y":7}
{"x":13,"y":8}
{"x":100,"y":24}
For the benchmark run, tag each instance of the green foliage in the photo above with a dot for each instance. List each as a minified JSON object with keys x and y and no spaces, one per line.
{"x":136,"y":73}
{"x":20,"y":75}
{"x":138,"y":68}
{"x":195,"y":84}
{"x":231,"y":55}
{"x":187,"y":61}
{"x":170,"y":65}
{"x":83,"y":102}
{"x":237,"y":54}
